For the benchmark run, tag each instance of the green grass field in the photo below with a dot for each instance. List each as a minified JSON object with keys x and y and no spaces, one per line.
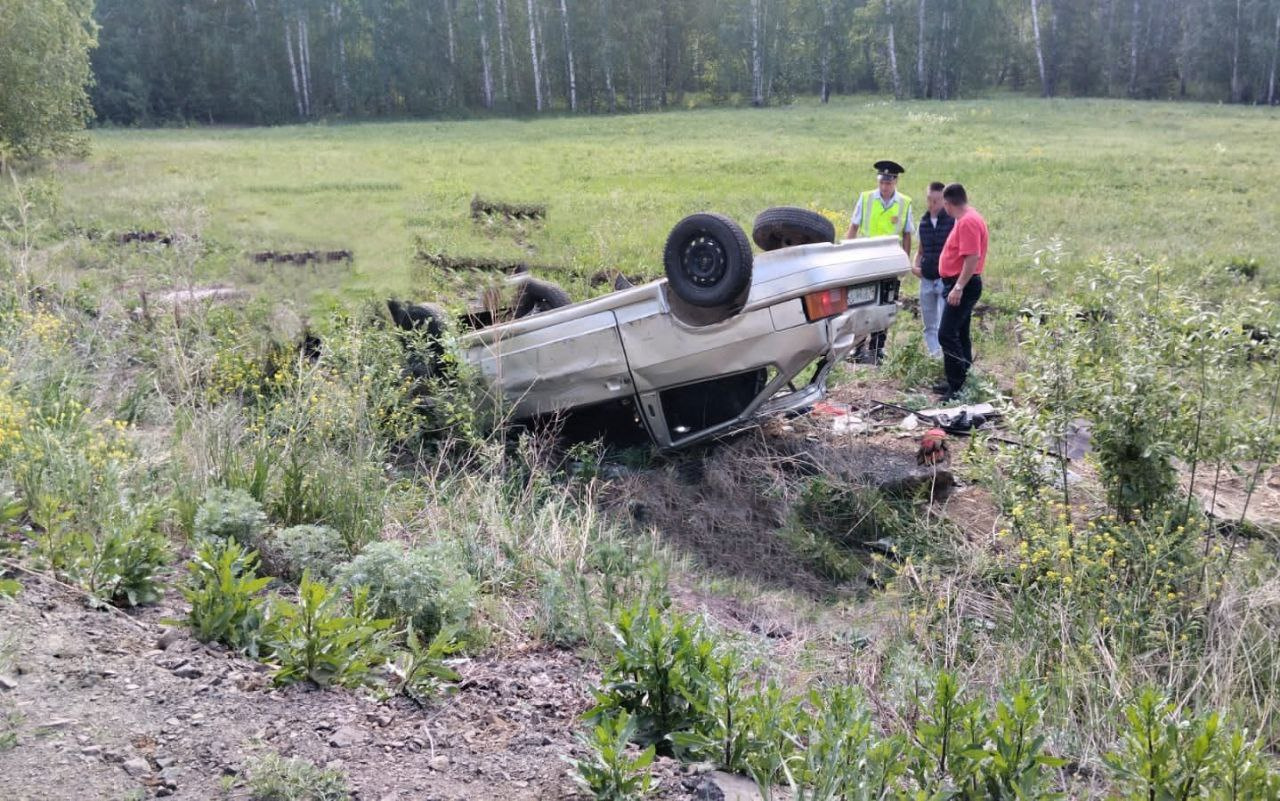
{"x":1193,"y":186}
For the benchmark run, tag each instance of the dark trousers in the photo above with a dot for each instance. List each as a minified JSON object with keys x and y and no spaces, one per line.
{"x":953,"y":331}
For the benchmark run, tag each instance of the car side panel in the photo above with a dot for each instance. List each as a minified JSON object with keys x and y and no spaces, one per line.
{"x":546,"y":370}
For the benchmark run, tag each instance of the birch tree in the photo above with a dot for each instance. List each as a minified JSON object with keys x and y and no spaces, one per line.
{"x":533,"y":56}
{"x":1035,"y":33}
{"x":893,"y":53}
{"x":568,"y":53}
{"x":486,"y":72}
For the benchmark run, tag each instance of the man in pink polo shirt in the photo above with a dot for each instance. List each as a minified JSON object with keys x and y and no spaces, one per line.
{"x":960,"y":267}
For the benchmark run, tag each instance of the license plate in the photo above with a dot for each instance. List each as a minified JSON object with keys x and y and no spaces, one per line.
{"x":866,"y":293}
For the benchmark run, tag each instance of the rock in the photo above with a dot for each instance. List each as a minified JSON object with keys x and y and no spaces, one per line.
{"x":164,"y":791}
{"x":439,"y":763}
{"x":65,"y":648}
{"x":92,"y":750}
{"x":56,"y":723}
{"x":165,"y":762}
{"x":720,"y":786}
{"x":187,"y":672}
{"x":7,"y":683}
{"x":136,"y":767}
{"x":347,"y":736}
{"x":168,"y":638}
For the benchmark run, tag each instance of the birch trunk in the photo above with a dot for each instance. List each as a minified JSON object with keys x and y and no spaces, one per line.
{"x":453,"y":48}
{"x":568,"y":52}
{"x":1035,"y":33}
{"x":826,"y":50}
{"x":1235,"y":57}
{"x":607,"y":55}
{"x":942,"y":69}
{"x":533,"y":57}
{"x":1275,"y":54}
{"x":343,"y":82}
{"x":757,"y":67}
{"x":486,"y":71}
{"x":920,"y":79}
{"x":504,"y":50}
{"x":293,"y":69}
{"x":1133,"y":48}
{"x":1108,"y":44}
{"x":304,"y":64}
{"x":893,"y":54}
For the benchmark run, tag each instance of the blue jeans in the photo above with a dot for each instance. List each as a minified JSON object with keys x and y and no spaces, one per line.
{"x":933,"y":299}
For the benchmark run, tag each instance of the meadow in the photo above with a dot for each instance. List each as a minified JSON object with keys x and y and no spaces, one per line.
{"x":1066,"y":623}
{"x":1069,"y":181}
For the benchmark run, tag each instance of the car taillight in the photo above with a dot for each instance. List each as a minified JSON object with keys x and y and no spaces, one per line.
{"x":827,"y":303}
{"x":889,"y":290}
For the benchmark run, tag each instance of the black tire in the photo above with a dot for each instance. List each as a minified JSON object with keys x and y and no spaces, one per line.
{"x":536,"y":296}
{"x":708,"y":262}
{"x":424,"y":356}
{"x":788,"y":226}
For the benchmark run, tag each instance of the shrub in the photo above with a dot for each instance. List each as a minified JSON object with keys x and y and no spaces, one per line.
{"x":223,"y":590}
{"x":418,"y":587}
{"x":230,"y":514}
{"x":318,"y":549}
{"x":126,"y":559}
{"x":323,"y":639}
{"x":274,"y":778}
{"x":1168,"y":752}
{"x":660,"y":675}
{"x":610,"y":772}
{"x":420,"y":668}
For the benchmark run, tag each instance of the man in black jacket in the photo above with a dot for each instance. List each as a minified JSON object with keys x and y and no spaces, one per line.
{"x":932,"y":230}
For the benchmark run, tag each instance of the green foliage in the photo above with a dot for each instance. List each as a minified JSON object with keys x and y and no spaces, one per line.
{"x":318,"y":549}
{"x":420,"y":669}
{"x":271,"y":777}
{"x":908,"y":360}
{"x":324,"y":639}
{"x":9,"y":587}
{"x":613,"y":771}
{"x":659,"y":674}
{"x":1170,"y":753}
{"x":125,"y":558}
{"x":44,"y":72}
{"x":230,"y":514}
{"x":225,"y":596}
{"x":418,"y":587}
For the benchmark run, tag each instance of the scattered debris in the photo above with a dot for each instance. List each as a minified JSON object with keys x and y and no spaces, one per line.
{"x":456,"y":263}
{"x":302,"y":256}
{"x":481,"y":208}
{"x":159,"y":237}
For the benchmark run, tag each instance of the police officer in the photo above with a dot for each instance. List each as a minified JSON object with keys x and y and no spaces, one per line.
{"x":882,"y":212}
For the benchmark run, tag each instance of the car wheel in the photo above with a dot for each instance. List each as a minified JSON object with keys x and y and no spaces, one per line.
{"x":539,"y":296}
{"x":787,"y":226}
{"x":708,"y":262}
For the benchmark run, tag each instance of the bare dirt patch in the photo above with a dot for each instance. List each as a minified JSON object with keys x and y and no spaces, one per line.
{"x":104,"y":711}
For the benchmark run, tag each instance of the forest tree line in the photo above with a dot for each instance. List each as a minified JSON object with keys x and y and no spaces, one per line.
{"x":272,"y":61}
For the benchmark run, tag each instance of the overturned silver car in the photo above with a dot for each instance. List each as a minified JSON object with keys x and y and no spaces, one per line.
{"x":722,"y":342}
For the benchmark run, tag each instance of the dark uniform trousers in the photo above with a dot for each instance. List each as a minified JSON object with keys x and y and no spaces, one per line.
{"x":953,"y":331}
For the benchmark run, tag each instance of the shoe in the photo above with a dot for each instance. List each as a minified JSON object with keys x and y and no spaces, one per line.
{"x":941,"y":387}
{"x":948,"y":397}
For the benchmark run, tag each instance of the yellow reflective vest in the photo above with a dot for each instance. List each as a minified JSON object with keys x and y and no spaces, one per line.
{"x":879,"y":221}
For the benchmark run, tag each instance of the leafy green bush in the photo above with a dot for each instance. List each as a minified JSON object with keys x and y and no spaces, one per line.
{"x":274,"y":778}
{"x":418,"y":587}
{"x":224,"y":592}
{"x":420,"y":668}
{"x":230,"y":514}
{"x":124,"y":562}
{"x":1170,"y":752}
{"x":610,"y":772}
{"x":323,"y":638}
{"x":319,"y":549}
{"x":660,"y":675}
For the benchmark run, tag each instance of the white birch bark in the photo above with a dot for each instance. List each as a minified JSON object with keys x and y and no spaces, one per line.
{"x":1134,"y":29}
{"x":293,"y":69}
{"x":1275,"y":55}
{"x":606,"y":50}
{"x":920,"y":21}
{"x":825,"y":92}
{"x":1235,"y":57}
{"x":1035,"y":33}
{"x":487,"y":72}
{"x":504,"y":50}
{"x":568,"y":52}
{"x":893,"y":54}
{"x":343,"y":81}
{"x":451,"y":87}
{"x":533,"y":57}
{"x":304,"y":63}
{"x":757,"y":65}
